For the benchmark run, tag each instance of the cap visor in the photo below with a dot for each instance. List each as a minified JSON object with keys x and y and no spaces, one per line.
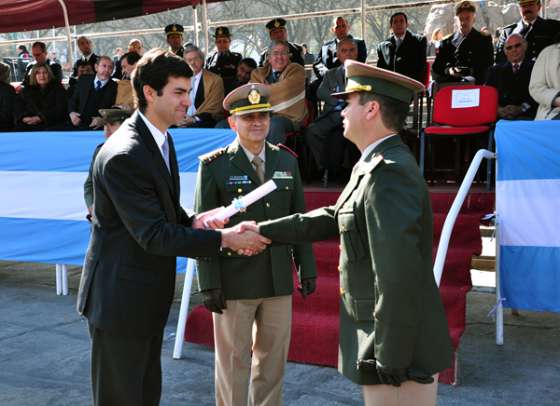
{"x":264,"y":109}
{"x":343,"y":95}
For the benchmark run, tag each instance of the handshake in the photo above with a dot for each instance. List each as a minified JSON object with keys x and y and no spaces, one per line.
{"x":244,"y":238}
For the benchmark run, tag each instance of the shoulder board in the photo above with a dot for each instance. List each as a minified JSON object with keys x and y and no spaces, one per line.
{"x":285,"y":148}
{"x":371,"y":165}
{"x":212,"y":156}
{"x":448,"y":36}
{"x":484,"y":33}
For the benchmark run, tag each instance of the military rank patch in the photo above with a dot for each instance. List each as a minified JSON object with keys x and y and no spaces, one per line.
{"x":211,"y":156}
{"x":282,"y":175}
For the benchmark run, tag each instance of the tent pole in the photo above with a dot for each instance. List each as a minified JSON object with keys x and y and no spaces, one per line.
{"x":205,"y":26}
{"x":68,"y":34}
{"x":195,"y":25}
{"x":363,"y":19}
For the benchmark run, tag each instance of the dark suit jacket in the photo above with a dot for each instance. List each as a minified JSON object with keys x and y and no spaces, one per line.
{"x":228,"y":174}
{"x":83,"y":90}
{"x":475,"y":52}
{"x":539,"y":37}
{"x":7,"y":97}
{"x":409,"y":59}
{"x":333,"y":81}
{"x":48,"y":103}
{"x":138,"y":229}
{"x":513,"y":88}
{"x":92,"y":60}
{"x":326,"y":59}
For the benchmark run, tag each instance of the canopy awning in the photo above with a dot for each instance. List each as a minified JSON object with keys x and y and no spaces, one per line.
{"x":26,"y":15}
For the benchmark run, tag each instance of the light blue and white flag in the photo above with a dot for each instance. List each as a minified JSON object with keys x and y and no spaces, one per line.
{"x":42,"y":209}
{"x":528,"y":209}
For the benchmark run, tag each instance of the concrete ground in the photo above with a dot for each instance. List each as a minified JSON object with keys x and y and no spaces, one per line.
{"x":44,"y":352}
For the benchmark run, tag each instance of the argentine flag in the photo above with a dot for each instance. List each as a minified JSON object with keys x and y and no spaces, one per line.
{"x":528,"y":209}
{"x":42,"y":209}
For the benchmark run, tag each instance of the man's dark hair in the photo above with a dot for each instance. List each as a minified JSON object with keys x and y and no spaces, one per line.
{"x":398,"y":13}
{"x":154,"y":70}
{"x":393,"y":111}
{"x":41,"y":45}
{"x":250,"y":62}
{"x":131,"y":57}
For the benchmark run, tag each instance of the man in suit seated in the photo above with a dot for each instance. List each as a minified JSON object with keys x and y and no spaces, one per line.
{"x":287,"y":91}
{"x":40,"y":56}
{"x":403,"y":52}
{"x":327,"y":58}
{"x":278,"y":32}
{"x":465,"y":55}
{"x":91,"y":94}
{"x":207,"y":92}
{"x":511,"y":79}
{"x":537,"y":31}
{"x":224,"y":62}
{"x":324,"y":136}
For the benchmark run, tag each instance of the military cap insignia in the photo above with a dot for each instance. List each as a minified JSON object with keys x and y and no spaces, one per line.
{"x":173,"y":28}
{"x":254,"y":96}
{"x":276,"y":24}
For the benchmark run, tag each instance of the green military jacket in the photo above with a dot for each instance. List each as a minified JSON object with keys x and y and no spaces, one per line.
{"x":226,"y":174}
{"x":390,"y":305}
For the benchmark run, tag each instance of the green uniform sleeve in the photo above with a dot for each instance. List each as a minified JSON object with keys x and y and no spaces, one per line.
{"x":206,"y":198}
{"x":393,"y":220}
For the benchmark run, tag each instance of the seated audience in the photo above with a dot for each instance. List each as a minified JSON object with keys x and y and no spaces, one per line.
{"x":544,"y":86}
{"x":327,"y":56}
{"x":224,"y":62}
{"x":41,"y":105}
{"x":135,"y":45}
{"x":403,"y":52}
{"x":244,"y":70}
{"x":93,"y":92}
{"x":277,"y":32}
{"x":537,"y":31}
{"x":207,"y":92}
{"x":39,"y":52}
{"x":125,"y":96}
{"x":511,"y":80}
{"x":111,"y":120}
{"x":84,"y":68}
{"x":7,"y":97}
{"x":287,"y":91}
{"x":465,"y":55}
{"x":324,"y":135}
{"x":85,"y":46}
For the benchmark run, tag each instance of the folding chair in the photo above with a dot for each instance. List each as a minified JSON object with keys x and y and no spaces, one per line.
{"x":461,"y":111}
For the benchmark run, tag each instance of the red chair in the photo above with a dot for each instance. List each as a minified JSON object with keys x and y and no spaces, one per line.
{"x":460,"y":122}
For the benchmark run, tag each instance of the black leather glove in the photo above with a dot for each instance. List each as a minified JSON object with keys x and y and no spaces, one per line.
{"x":307,"y":287}
{"x":391,"y":376}
{"x":214,"y":300}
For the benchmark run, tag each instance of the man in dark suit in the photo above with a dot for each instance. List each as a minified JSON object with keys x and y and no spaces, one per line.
{"x":465,"y":55}
{"x":394,"y":338}
{"x":404,"y":52}
{"x":511,"y":80}
{"x":85,"y":46}
{"x":138,"y":230}
{"x":224,"y":62}
{"x":91,"y":94}
{"x":278,"y":32}
{"x":326,"y":59}
{"x":538,"y":32}
{"x":324,"y":135}
{"x":40,"y":56}
{"x":257,"y":291}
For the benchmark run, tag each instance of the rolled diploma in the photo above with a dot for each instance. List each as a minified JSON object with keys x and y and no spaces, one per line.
{"x":243,"y":202}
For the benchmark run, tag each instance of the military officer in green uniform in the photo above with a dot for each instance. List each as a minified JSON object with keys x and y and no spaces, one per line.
{"x":174,"y":37}
{"x":393,"y":331}
{"x":245,"y":293}
{"x":224,"y":62}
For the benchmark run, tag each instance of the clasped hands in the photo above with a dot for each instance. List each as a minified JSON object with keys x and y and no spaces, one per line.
{"x":244,"y":238}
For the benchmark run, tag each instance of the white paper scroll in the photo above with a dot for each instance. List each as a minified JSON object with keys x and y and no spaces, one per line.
{"x":243,"y":202}
{"x":461,"y":99}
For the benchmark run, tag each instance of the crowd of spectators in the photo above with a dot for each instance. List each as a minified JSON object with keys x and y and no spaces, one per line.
{"x":523,"y":66}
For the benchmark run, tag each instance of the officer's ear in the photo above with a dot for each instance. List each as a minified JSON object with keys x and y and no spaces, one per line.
{"x":232,"y":122}
{"x":372,"y":109}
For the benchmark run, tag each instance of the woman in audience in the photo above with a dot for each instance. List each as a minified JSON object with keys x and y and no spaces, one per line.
{"x":7,"y":96}
{"x":545,"y":82}
{"x":42,"y":105}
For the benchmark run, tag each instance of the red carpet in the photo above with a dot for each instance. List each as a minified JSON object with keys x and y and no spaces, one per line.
{"x":315,"y":320}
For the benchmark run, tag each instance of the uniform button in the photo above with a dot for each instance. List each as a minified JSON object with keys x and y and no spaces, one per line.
{"x":287,"y":188}
{"x":239,"y":190}
{"x":267,"y":204}
{"x":229,"y":254}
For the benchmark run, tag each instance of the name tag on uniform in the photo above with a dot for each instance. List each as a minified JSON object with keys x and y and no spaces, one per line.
{"x":239,"y":180}
{"x":282,"y":175}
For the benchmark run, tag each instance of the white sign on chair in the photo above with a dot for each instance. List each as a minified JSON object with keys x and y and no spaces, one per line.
{"x":464,"y":98}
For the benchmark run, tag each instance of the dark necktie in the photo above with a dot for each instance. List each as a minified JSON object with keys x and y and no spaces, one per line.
{"x":275,"y":76}
{"x":515,"y":68}
{"x":259,"y":167}
{"x":165,"y":151}
{"x":97,"y":85}
{"x":525,"y":30}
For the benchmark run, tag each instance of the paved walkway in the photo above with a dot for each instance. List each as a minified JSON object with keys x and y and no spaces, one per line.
{"x":44,"y":352}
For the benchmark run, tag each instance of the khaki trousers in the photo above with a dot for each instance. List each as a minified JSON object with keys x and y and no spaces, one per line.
{"x":408,"y":394}
{"x":262,"y":326}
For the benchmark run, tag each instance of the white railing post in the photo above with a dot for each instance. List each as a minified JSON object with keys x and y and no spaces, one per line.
{"x":184,"y":310}
{"x":454,"y":211}
{"x":64,"y":279}
{"x":499,"y":300}
{"x":58,"y":275}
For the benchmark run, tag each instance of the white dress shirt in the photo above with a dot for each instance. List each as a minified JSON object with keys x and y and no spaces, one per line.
{"x":195,"y":81}
{"x":159,"y":137}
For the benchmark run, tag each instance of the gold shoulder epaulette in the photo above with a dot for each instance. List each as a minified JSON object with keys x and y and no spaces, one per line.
{"x":212,"y":156}
{"x":448,"y":36}
{"x":285,"y":148}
